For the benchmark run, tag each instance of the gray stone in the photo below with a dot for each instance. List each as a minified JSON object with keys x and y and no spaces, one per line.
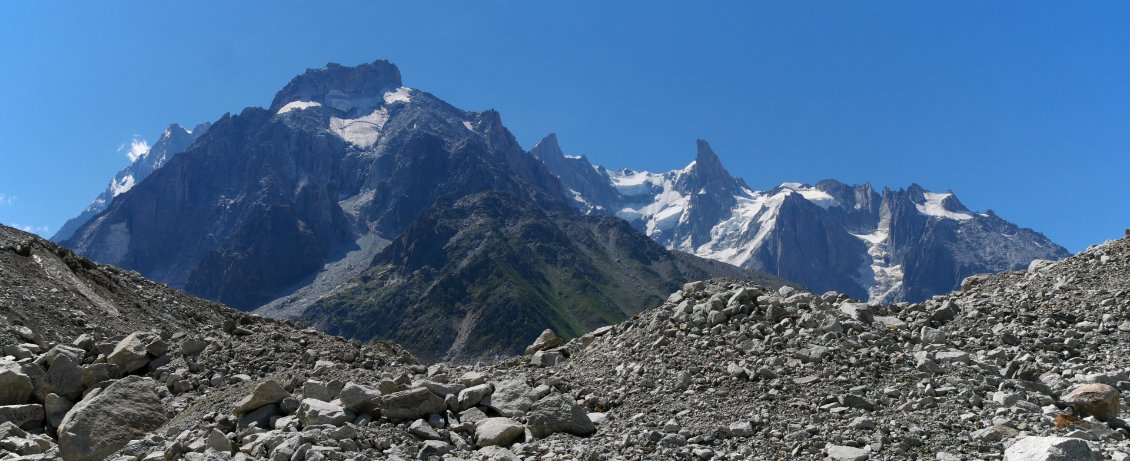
{"x":471,"y":396}
{"x":98,"y":372}
{"x":63,"y":378}
{"x":48,"y":358}
{"x":218,"y":441}
{"x":434,"y":449}
{"x":55,"y":408}
{"x":546,"y":358}
{"x":741,"y":429}
{"x":498,"y":432}
{"x":423,"y":430}
{"x":414,"y":403}
{"x":1098,"y":400}
{"x":192,"y":346}
{"x":813,"y":354}
{"x":558,"y":413}
{"x":858,"y":311}
{"x":322,"y":390}
{"x":845,"y":453}
{"x":358,"y":398}
{"x":1049,"y":449}
{"x":106,"y":420}
{"x":932,"y":336}
{"x":268,"y":392}
{"x":511,"y":397}
{"x":131,"y":353}
{"x":546,"y":340}
{"x":260,"y":417}
{"x":26,"y":416}
{"x":314,"y":411}
{"x":15,"y":385}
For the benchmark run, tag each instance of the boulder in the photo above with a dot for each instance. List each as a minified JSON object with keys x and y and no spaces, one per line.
{"x":501,"y":432}
{"x":511,"y":397}
{"x":314,"y":411}
{"x":1098,"y":400}
{"x":423,"y":430}
{"x":558,"y":413}
{"x":546,"y":358}
{"x":105,"y":421}
{"x":1049,"y":449}
{"x":546,"y":340}
{"x":76,"y":354}
{"x":268,"y":392}
{"x":63,"y":378}
{"x":98,"y":372}
{"x":131,"y":353}
{"x":414,"y":403}
{"x":192,"y":346}
{"x":26,"y":416}
{"x":55,"y":408}
{"x":15,"y":385}
{"x":218,"y":441}
{"x":358,"y":398}
{"x":858,"y":311}
{"x":322,"y":390}
{"x":471,"y":396}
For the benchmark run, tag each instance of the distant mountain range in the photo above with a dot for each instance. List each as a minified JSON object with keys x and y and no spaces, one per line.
{"x":374,"y":210}
{"x":378,"y":211}
{"x":889,"y":246}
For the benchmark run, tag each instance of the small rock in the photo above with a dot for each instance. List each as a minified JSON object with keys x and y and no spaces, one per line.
{"x":845,"y":453}
{"x":558,"y":413}
{"x":314,"y":411}
{"x":268,"y":392}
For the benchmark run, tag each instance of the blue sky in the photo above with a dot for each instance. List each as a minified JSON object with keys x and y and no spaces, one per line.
{"x":1019,"y":107}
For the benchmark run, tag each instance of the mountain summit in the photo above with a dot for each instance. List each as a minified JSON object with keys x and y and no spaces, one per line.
{"x":374,"y":210}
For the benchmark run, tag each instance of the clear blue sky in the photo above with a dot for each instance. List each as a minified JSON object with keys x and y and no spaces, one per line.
{"x":1022,"y":107}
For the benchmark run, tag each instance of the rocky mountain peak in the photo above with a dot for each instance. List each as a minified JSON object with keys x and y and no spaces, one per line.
{"x":343,"y":88}
{"x":547,"y":148}
{"x":707,"y":174}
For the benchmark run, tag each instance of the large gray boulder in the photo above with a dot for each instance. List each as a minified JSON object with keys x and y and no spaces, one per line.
{"x":63,"y":378}
{"x":512,"y":397}
{"x":358,"y":398}
{"x":1049,"y":449}
{"x":558,"y":413}
{"x":471,"y":396}
{"x":498,"y":432}
{"x":268,"y":392}
{"x":106,"y":420}
{"x":413,"y":403}
{"x":132,"y":353}
{"x":314,"y":411}
{"x":15,"y":385}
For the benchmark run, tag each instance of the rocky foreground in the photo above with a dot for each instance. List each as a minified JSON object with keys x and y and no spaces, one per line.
{"x":102,"y":364}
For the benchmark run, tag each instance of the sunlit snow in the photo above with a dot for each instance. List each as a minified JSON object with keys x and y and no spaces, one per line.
{"x":402,"y":94}
{"x":362,"y":132}
{"x":297,"y":105}
{"x":120,"y":186}
{"x":934,"y":207}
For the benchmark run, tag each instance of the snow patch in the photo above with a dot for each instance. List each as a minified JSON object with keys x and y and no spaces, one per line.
{"x":816,"y":196}
{"x":468,"y":125}
{"x":882,"y":279}
{"x":402,"y":94}
{"x":121,"y":185}
{"x":298,"y":105}
{"x":934,"y":207}
{"x":362,"y":132}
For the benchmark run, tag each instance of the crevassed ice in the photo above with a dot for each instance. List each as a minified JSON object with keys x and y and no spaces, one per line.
{"x":882,"y":279}
{"x":362,"y":132}
{"x":297,"y":105}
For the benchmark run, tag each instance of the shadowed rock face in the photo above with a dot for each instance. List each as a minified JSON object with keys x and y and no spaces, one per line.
{"x":291,"y":206}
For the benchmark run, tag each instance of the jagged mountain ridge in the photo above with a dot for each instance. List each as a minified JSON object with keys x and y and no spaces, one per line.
{"x":174,"y":140}
{"x":904,"y":245}
{"x":289,"y":208}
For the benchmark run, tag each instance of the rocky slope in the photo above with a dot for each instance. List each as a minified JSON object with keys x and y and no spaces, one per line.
{"x":174,"y":140}
{"x":904,"y":245}
{"x":1021,"y":365}
{"x":288,"y":210}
